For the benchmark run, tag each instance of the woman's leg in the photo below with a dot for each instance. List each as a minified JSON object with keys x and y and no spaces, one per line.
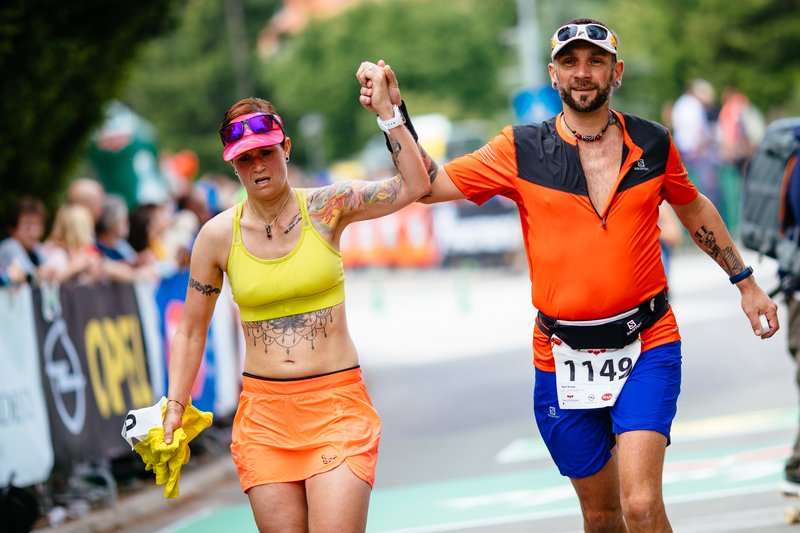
{"x":280,"y":507}
{"x":338,"y":500}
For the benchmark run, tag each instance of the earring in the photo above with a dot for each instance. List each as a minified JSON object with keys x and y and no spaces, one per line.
{"x":617,"y":83}
{"x":287,"y":158}
{"x":555,"y":86}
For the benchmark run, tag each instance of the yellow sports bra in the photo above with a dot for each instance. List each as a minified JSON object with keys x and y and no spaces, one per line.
{"x":309,"y":278}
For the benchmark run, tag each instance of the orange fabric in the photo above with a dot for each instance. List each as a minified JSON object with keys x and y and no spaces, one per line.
{"x":291,"y":430}
{"x":584,"y":263}
{"x":787,"y":173}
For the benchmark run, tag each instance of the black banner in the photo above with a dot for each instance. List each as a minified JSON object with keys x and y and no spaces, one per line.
{"x":94,"y":367}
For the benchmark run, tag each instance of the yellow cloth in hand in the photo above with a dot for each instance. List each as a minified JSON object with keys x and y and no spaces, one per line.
{"x":166,"y":460}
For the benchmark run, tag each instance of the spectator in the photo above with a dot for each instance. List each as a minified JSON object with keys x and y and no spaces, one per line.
{"x":740,"y":126}
{"x":671,"y":234}
{"x":148,"y":226}
{"x":112,"y":230}
{"x":14,"y":274}
{"x":69,"y":251}
{"x":25,"y":226}
{"x":89,"y":193}
{"x":694,"y":137}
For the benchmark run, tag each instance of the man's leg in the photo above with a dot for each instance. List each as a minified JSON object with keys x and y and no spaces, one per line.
{"x":640,"y":456}
{"x":579,"y":442}
{"x":600,"y":500}
{"x":642,"y":419}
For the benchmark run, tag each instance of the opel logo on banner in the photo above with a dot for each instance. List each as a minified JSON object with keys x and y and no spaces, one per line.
{"x":65,"y":376}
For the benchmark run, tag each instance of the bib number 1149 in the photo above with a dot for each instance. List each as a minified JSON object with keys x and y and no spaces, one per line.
{"x":591,"y":379}
{"x":612,"y":369}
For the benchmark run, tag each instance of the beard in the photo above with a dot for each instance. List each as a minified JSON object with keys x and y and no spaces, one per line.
{"x":584,"y":104}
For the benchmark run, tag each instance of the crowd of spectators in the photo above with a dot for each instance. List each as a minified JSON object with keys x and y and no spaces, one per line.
{"x":95,"y":236}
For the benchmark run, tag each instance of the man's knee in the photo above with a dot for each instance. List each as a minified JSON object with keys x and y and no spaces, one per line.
{"x":644,"y":511}
{"x":603,"y":520}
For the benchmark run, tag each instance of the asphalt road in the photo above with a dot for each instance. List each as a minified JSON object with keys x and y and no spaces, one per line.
{"x":451,"y":376}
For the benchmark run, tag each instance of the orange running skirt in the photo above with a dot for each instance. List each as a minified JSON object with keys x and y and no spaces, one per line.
{"x":291,"y":430}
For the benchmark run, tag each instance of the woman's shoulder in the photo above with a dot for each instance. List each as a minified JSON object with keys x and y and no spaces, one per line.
{"x":218,"y":231}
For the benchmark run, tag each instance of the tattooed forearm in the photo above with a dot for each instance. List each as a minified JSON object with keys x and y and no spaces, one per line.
{"x":396,"y":148}
{"x":430,"y":165}
{"x":726,"y":257}
{"x":289,"y":331}
{"x":204,"y":289}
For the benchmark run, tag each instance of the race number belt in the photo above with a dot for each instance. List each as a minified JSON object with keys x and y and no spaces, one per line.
{"x":593,"y":358}
{"x":614,"y":332}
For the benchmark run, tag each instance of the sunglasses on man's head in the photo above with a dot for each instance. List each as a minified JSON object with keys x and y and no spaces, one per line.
{"x":257,"y":124}
{"x":592,"y":31}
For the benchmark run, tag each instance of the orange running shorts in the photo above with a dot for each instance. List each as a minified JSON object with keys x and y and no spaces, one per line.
{"x":290,"y":430}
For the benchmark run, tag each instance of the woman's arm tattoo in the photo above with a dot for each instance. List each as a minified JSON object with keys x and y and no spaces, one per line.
{"x":725,"y":257}
{"x":204,"y":289}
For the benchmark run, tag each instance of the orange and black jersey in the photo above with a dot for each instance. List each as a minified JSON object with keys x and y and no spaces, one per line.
{"x":585,"y":263}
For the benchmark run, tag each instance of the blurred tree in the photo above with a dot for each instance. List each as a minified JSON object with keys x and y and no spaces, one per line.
{"x":61,"y":63}
{"x":751,"y":45}
{"x":187,"y":79}
{"x":447,"y":55}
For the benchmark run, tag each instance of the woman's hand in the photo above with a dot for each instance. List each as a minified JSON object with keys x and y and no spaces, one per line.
{"x":368,"y":73}
{"x":173,"y":419}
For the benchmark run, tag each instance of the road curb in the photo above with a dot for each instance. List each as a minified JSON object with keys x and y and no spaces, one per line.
{"x":146,"y":501}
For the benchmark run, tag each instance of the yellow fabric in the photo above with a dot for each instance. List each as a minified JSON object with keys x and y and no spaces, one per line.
{"x":309,"y":278}
{"x":166,"y":460}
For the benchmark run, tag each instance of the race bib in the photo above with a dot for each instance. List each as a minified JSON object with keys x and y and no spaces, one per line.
{"x":590,"y":379}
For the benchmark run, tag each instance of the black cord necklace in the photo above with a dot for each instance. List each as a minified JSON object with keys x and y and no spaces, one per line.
{"x":588,"y":138}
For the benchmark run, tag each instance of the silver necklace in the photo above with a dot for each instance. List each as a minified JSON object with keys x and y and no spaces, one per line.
{"x":268,"y":227}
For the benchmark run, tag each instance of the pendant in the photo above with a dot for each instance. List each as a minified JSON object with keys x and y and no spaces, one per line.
{"x":269,"y":231}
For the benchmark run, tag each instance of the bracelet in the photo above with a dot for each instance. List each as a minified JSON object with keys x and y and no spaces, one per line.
{"x":408,"y":123}
{"x":744,"y":274}
{"x":179,"y":403}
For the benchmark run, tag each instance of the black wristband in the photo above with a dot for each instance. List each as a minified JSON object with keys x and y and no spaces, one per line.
{"x":408,"y":125}
{"x":744,"y":274}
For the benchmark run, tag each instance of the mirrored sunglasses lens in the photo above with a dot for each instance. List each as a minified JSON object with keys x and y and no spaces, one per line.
{"x":567,"y":32}
{"x":260,"y":124}
{"x":596,"y":33}
{"x":232,"y":132}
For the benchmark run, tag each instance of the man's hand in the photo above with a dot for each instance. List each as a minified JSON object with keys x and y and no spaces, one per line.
{"x":366,"y":79}
{"x":755,"y":304}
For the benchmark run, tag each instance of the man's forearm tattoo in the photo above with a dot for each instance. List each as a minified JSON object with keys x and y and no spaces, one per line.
{"x":204,"y":289}
{"x":289,"y":331}
{"x":430,"y":165}
{"x":725,"y":257}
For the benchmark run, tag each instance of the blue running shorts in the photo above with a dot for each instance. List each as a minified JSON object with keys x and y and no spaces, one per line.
{"x":580,"y":440}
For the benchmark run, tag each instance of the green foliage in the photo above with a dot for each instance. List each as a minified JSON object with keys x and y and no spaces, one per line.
{"x":61,"y":62}
{"x":750,"y":44}
{"x":186,"y":80}
{"x":448,"y":53}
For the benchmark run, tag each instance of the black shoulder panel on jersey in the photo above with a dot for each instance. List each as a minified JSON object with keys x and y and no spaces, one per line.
{"x":544,"y":158}
{"x":653,"y":139}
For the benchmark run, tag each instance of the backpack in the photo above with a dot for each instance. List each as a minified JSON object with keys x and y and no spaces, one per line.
{"x":761,"y":197}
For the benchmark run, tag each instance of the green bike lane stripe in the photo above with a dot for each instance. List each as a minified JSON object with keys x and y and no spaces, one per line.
{"x":528,"y":494}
